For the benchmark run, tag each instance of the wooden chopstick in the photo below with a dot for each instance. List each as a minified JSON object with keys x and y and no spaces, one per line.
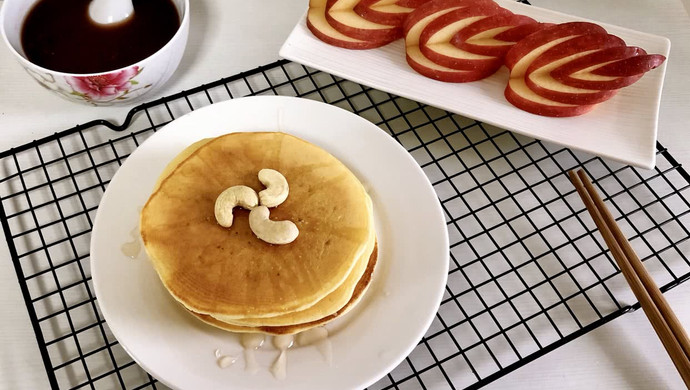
{"x":652,"y":301}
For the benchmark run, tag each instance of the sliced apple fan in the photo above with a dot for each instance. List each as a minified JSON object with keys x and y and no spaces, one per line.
{"x":556,"y":70}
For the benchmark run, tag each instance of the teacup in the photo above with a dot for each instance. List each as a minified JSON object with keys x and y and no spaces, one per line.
{"x":119,"y":86}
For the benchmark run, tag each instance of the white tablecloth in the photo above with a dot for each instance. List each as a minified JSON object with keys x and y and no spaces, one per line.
{"x":229,"y":36}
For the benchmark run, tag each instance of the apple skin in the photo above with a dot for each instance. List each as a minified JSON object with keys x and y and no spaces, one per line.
{"x":566,"y":69}
{"x":578,"y":44}
{"x":525,"y":99}
{"x":356,"y":26}
{"x":463,"y":59}
{"x":629,"y":65}
{"x":434,"y":6}
{"x":319,"y":26}
{"x":538,"y":74}
{"x":543,"y":36}
{"x":581,"y":97}
{"x":426,"y":67}
{"x":520,"y":25}
{"x":416,"y":23}
{"x":519,"y":32}
{"x":390,"y":13}
{"x":527,"y":50}
{"x":411,"y":3}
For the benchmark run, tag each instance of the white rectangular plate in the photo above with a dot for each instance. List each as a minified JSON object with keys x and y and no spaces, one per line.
{"x":623,"y":128}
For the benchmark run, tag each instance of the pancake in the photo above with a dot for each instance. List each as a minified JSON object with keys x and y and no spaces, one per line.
{"x":228,"y":272}
{"x":178,"y":159}
{"x":325,"y":307}
{"x":359,"y":290}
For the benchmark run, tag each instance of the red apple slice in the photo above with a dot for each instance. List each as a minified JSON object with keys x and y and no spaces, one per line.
{"x":576,"y":46}
{"x":522,"y":54}
{"x":426,"y":67}
{"x":569,"y":95}
{"x":317,"y":24}
{"x":341,"y":15}
{"x":496,"y":34}
{"x":538,"y":74}
{"x":629,"y":62}
{"x":434,"y":42}
{"x":580,"y":52}
{"x":416,"y":21}
{"x":433,"y":7}
{"x":639,"y":63}
{"x":519,"y":95}
{"x":415,"y":24}
{"x":519,"y":32}
{"x":387,"y":12}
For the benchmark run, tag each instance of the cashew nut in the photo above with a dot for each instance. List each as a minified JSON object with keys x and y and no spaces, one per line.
{"x":276,"y":188}
{"x":273,"y":232}
{"x":242,"y":196}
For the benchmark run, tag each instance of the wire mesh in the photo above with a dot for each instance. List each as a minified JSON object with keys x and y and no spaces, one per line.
{"x":528,"y":271}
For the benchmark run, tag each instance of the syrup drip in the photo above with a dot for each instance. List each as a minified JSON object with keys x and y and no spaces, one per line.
{"x":224,"y":361}
{"x":319,"y":338}
{"x":132,"y":249}
{"x":251,"y":342}
{"x":282,"y":343}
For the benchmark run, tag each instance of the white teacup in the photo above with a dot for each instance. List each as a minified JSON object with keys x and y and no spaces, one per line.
{"x":119,"y":86}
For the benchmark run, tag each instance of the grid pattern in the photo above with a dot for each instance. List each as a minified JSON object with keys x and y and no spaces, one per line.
{"x":528,"y":271}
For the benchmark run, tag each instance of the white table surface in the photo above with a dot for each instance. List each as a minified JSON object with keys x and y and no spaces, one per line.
{"x":229,"y":36}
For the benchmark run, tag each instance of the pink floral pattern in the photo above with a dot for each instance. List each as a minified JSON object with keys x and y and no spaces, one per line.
{"x":102,"y":90}
{"x":104,"y":87}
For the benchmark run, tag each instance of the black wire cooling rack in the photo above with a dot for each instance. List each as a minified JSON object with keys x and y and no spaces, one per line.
{"x":528,"y":271}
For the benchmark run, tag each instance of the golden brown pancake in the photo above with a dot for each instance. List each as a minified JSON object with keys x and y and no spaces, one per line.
{"x":358,"y":292}
{"x":325,"y":307}
{"x":229,"y":272}
{"x":178,"y":159}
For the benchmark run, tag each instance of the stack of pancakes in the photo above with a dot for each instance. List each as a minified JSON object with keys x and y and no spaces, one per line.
{"x":228,"y":277}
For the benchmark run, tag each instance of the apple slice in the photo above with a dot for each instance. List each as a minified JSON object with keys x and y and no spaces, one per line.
{"x":318,"y":25}
{"x":633,"y":65}
{"x":575,"y":46}
{"x":496,"y":34}
{"x":538,"y":76}
{"x":434,"y":42}
{"x":426,"y":67}
{"x":519,"y":95}
{"x":341,"y":15}
{"x":579,"y":53}
{"x":611,"y":68}
{"x":621,"y":67}
{"x":519,"y":32}
{"x":433,"y":7}
{"x":415,"y":25}
{"x":387,"y":12}
{"x":525,"y":52}
{"x":522,"y":54}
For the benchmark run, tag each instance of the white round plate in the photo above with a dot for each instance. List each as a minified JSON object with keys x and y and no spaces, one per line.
{"x":366,"y":343}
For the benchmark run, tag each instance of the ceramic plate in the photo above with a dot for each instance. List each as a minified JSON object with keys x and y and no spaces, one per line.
{"x":623,"y":129}
{"x":367,"y":343}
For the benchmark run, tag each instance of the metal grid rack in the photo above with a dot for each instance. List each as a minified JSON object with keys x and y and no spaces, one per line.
{"x":528,"y":271}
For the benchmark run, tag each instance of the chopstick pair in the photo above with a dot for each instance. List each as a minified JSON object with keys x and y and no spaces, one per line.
{"x":652,"y":301}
